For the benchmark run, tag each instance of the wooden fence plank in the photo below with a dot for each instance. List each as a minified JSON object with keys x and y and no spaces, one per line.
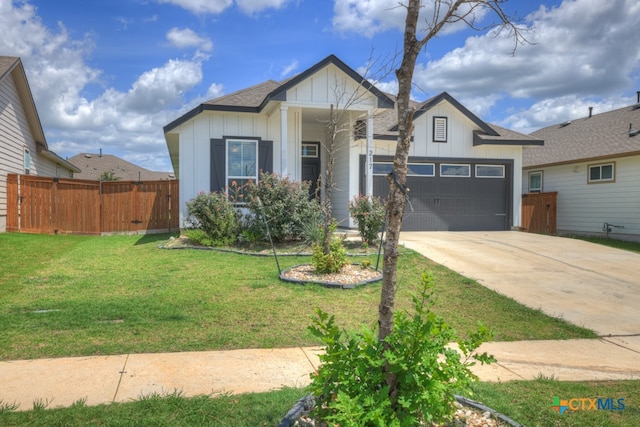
{"x":52,"y":205}
{"x":13,"y":203}
{"x":539,"y":213}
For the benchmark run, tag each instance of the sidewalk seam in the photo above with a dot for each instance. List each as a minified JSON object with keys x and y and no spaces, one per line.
{"x":122,"y":372}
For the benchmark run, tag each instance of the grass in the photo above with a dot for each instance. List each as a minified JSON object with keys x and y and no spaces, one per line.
{"x":70,"y":295}
{"x":618,"y":244}
{"x":247,"y":410}
{"x":527,"y":402}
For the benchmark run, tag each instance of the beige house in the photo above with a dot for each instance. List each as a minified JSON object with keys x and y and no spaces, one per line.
{"x":23,"y":147}
{"x":593,"y":163}
{"x":94,"y":166}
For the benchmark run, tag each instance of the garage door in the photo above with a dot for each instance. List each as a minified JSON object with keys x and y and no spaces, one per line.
{"x":451,"y":196}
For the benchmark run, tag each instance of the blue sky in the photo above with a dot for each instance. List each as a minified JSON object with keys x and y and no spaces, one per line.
{"x":111,"y":73}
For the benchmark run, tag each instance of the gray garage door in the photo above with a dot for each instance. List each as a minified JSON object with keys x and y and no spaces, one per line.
{"x":452,"y":196}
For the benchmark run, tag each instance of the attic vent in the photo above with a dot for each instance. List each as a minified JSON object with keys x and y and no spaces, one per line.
{"x":88,"y":156}
{"x":635,"y":106}
{"x":567,"y":123}
{"x":633,"y":132}
{"x":439,"y":129}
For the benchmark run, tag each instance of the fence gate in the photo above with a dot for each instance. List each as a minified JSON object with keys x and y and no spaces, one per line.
{"x":539,"y":213}
{"x":57,"y":205}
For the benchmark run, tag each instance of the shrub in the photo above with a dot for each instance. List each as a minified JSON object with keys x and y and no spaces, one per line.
{"x":334,"y":261}
{"x":285,"y":204}
{"x":369,"y":214}
{"x":216,"y":216}
{"x":350,"y":386}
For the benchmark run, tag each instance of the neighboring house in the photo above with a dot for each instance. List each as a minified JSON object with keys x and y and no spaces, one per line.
{"x":464,"y":174}
{"x":23,"y":147}
{"x":94,"y":166}
{"x":593,"y":163}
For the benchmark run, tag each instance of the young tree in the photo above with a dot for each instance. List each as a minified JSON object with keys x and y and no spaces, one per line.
{"x":336,"y":126}
{"x":445,"y":12}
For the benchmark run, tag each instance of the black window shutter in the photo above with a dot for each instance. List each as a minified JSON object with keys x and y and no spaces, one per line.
{"x":218,"y":165}
{"x":265,"y":156}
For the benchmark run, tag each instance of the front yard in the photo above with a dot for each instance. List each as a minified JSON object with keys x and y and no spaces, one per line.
{"x":77,"y":295}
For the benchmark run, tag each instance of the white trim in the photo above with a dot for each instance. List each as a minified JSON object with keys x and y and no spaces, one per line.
{"x":600,"y":166}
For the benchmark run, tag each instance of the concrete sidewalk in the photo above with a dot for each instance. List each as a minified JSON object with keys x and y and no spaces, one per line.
{"x":122,"y":378}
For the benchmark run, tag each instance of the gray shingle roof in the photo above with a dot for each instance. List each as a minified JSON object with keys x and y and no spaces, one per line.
{"x":600,"y":136}
{"x":250,"y":97}
{"x":6,"y":64}
{"x":92,"y":166}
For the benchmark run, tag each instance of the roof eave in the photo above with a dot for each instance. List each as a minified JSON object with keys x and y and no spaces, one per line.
{"x":280,"y":94}
{"x":445,"y":96}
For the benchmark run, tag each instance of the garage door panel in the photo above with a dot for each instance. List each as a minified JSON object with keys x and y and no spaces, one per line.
{"x":452,"y":203}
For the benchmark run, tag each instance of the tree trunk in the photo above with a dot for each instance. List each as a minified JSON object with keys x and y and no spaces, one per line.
{"x":397,"y":181}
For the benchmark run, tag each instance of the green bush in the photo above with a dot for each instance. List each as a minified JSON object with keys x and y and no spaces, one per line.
{"x":350,"y":385}
{"x":285,"y":204}
{"x":334,"y":261}
{"x":369,"y":214}
{"x":215,"y":216}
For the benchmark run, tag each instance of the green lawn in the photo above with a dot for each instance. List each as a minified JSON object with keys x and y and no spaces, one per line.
{"x":70,"y":295}
{"x":527,"y":402}
{"x":76,"y":295}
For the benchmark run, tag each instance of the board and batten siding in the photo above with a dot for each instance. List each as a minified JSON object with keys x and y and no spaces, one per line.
{"x":584,"y":208}
{"x":460,"y":145}
{"x":330,"y":85}
{"x":195,"y":147}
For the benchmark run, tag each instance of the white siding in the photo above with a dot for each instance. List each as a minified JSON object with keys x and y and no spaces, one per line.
{"x":195,"y":147}
{"x":15,"y":137}
{"x":583,"y":208}
{"x":330,"y":85}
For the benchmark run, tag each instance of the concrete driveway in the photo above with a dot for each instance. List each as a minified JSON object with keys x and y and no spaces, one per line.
{"x":586,"y":284}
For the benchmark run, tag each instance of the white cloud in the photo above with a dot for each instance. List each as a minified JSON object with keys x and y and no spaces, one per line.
{"x":369,"y":17}
{"x":584,"y":48}
{"x":216,"y":7}
{"x":557,"y":110}
{"x":251,"y":7}
{"x":185,"y":38}
{"x":202,"y":7}
{"x":127,"y":122}
{"x":293,"y":66}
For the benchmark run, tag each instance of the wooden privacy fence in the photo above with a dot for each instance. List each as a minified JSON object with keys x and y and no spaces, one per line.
{"x":539,"y":213}
{"x":57,"y":205}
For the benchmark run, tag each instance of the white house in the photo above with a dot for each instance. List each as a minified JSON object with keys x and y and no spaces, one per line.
{"x":23,"y":147}
{"x":464,"y":173}
{"x":594,"y":165}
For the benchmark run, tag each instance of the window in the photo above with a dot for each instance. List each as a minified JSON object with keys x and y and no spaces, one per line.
{"x":242,"y":157}
{"x":439,"y":129}
{"x":535,"y":182}
{"x":452,"y":170}
{"x":360,"y":129}
{"x":421,"y":169}
{"x":27,"y":161}
{"x":310,"y":150}
{"x":382,"y":168}
{"x":413,"y":169}
{"x":602,"y":173}
{"x":489,"y":171}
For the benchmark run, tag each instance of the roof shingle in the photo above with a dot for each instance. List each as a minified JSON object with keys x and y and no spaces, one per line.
{"x":599,"y":136}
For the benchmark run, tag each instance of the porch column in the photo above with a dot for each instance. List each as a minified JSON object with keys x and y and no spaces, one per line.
{"x":369,"y":159}
{"x":283,"y":140}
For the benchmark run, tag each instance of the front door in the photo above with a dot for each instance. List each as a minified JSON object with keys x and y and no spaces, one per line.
{"x":311,"y":165}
